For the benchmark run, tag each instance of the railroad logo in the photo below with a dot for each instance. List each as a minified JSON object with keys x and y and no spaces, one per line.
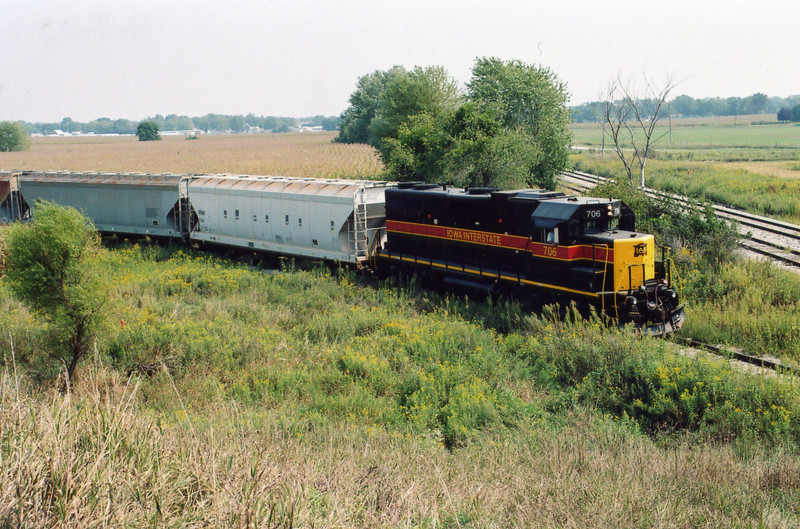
{"x":474,"y":236}
{"x":639,"y":249}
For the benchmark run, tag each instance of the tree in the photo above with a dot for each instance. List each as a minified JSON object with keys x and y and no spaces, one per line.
{"x":530,"y":99}
{"x":785,"y":114}
{"x":756,"y":103}
{"x":356,"y":120}
{"x":428,"y":90}
{"x":510,"y":130}
{"x":51,"y":267}
{"x":796,"y":112}
{"x":13,"y":137}
{"x":631,"y":119}
{"x":147,"y":131}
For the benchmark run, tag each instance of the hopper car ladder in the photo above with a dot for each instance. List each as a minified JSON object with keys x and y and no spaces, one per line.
{"x":360,"y":238}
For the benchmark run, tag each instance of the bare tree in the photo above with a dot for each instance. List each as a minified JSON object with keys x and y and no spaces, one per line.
{"x":630,"y":117}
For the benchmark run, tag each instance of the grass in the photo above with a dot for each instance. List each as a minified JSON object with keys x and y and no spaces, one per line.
{"x":222,"y":393}
{"x":748,"y":304}
{"x":705,"y":133}
{"x":95,"y":457}
{"x":307,"y":155}
{"x":745,"y":164}
{"x":300,"y":397}
{"x":722,"y":183}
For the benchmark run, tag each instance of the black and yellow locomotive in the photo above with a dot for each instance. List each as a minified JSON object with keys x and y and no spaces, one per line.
{"x":538,"y":241}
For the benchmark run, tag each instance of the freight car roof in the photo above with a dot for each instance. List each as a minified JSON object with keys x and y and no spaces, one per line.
{"x":483,"y":193}
{"x":286,"y":184}
{"x":134,"y":179}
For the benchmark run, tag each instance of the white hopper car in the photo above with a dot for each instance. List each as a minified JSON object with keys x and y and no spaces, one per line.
{"x":333,"y":219}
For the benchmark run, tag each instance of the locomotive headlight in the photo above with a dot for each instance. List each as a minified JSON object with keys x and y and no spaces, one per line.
{"x":610,"y":211}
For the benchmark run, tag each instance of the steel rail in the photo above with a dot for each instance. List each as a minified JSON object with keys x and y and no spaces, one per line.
{"x":741,"y":356}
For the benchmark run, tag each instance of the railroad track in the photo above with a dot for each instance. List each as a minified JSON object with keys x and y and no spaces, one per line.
{"x":740,"y":356}
{"x":774,"y":239}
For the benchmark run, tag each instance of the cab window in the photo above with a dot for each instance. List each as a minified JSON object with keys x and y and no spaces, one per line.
{"x":593,"y":226}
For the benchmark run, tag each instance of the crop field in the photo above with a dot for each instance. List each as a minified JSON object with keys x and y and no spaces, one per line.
{"x":307,"y":155}
{"x":748,"y":165}
{"x":705,"y":133}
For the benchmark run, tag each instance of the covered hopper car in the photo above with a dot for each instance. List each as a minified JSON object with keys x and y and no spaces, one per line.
{"x":529,"y":242}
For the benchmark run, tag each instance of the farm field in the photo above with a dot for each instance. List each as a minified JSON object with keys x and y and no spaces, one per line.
{"x":706,"y":133}
{"x":225,"y":393}
{"x":754,"y":167}
{"x":306,"y":155}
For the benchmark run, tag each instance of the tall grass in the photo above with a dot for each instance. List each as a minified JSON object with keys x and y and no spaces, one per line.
{"x":763,"y":194}
{"x":98,"y":456}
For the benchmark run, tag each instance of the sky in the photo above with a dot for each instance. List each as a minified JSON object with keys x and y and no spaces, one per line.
{"x":297,"y":58}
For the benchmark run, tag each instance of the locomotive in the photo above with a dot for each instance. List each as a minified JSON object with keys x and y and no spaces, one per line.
{"x":528,"y":242}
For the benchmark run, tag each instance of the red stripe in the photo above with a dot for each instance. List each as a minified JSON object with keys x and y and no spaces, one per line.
{"x":500,"y":240}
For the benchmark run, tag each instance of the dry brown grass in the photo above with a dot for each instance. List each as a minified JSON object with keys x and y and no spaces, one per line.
{"x":97,"y":458}
{"x":306,"y":155}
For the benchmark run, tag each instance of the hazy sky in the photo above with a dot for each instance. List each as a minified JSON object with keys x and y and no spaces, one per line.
{"x":137,"y":58}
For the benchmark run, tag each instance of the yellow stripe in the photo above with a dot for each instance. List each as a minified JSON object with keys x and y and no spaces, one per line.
{"x":487,"y":274}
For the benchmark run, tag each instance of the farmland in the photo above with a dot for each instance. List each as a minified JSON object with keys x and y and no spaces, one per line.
{"x":306,"y":155}
{"x":224,"y":393}
{"x":746,"y":164}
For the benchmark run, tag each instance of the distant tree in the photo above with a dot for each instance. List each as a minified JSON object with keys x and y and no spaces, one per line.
{"x":147,"y":131}
{"x":785,"y":114}
{"x":236,"y":123}
{"x":51,"y":267}
{"x":174,"y":122}
{"x":630,"y":121}
{"x":68,"y":125}
{"x":684,"y":105}
{"x":13,"y":137}
{"x":331,"y":123}
{"x":756,"y":103}
{"x":796,"y":112}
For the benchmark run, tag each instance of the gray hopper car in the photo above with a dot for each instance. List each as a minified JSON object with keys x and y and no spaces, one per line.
{"x":341,"y":220}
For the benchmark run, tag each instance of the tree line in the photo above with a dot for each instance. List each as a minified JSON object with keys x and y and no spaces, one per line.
{"x":173,"y":122}
{"x":687,"y":106}
{"x":509,"y":128}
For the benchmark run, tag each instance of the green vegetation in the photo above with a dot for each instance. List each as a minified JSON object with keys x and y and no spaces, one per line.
{"x":707,"y":135}
{"x":174,"y":122}
{"x":689,"y":107}
{"x":719,"y":183}
{"x":147,"y":131}
{"x":13,"y":137}
{"x":300,"y":397}
{"x":508,"y":130}
{"x":742,"y":303}
{"x":51,"y":267}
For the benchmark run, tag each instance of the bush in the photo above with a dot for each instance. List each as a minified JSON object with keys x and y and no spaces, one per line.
{"x":647,"y":383}
{"x":693,"y":230}
{"x":13,"y":137}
